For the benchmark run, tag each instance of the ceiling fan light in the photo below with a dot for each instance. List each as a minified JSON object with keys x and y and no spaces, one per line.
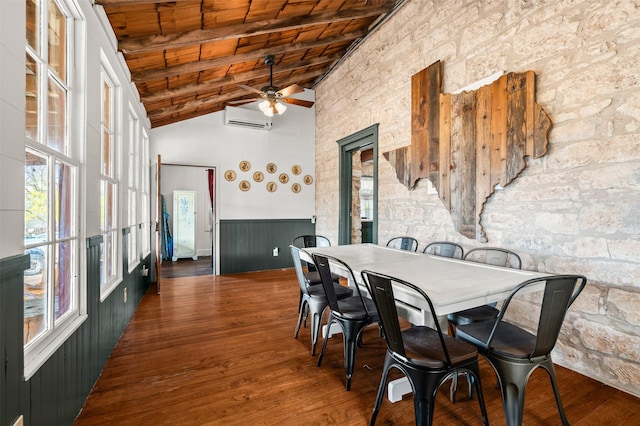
{"x":280,"y":107}
{"x":265,"y":106}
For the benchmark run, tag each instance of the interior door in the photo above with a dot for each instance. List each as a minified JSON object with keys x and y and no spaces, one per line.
{"x":351,"y":149}
{"x":159,"y":229}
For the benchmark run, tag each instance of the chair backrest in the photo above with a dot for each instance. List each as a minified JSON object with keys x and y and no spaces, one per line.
{"x":305,"y":241}
{"x":297,"y":263}
{"x":559,"y":293}
{"x":380,"y":288}
{"x":403,"y":243}
{"x":323,"y":265}
{"x":444,"y":249}
{"x":494,"y":256}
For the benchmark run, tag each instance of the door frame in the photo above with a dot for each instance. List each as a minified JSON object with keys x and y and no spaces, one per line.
{"x":363,"y":139}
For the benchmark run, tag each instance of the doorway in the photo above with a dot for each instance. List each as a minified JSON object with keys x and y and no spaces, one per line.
{"x":199,"y":180}
{"x":358,"y":205}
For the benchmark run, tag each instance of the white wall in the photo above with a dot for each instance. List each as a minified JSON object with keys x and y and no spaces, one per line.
{"x":206,"y":141}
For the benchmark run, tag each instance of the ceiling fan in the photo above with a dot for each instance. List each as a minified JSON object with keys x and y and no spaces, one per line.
{"x":273,"y":97}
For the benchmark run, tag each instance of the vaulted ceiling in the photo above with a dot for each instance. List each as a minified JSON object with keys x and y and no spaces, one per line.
{"x":194,"y":57}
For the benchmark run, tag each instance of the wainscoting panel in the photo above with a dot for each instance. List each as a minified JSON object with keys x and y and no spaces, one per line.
{"x":54,"y":395}
{"x":247,"y":245}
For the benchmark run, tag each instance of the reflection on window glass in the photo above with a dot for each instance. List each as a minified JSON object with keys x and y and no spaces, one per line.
{"x":63,"y":284}
{"x":35,"y":294}
{"x":57,"y":40}
{"x":57,"y":129}
{"x":33,"y":24}
{"x":36,"y":199}
{"x":65,"y":225}
{"x":31,"y":94}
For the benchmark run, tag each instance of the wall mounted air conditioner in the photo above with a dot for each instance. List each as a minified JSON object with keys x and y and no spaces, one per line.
{"x":247,"y":118}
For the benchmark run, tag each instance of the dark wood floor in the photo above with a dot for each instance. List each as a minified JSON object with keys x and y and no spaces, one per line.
{"x":219,"y":350}
{"x":186,"y":267}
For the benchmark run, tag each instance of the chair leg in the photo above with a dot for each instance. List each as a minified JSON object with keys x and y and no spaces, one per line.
{"x":300,"y":315}
{"x":352,"y":335}
{"x":513,"y":382}
{"x":548,"y":365}
{"x":326,"y":338}
{"x":474,"y":381}
{"x":381,"y":389}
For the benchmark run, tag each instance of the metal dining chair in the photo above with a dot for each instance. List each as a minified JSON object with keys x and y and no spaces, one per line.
{"x":425,"y":355}
{"x":352,"y":314}
{"x":513,"y":351}
{"x":403,"y":243}
{"x":444,"y":249}
{"x":491,"y":256}
{"x":313,"y":299}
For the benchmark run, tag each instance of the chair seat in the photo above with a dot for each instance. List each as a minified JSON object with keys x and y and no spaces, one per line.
{"x":314,"y":277}
{"x":422,"y":346}
{"x":351,"y":308}
{"x":468,"y":316}
{"x":508,"y":340}
{"x":341,"y":291}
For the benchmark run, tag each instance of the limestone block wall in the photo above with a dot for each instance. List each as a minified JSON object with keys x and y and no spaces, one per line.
{"x":574,"y":210}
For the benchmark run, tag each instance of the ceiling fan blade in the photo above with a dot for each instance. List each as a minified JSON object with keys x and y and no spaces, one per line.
{"x":299,"y":102}
{"x":242,"y":101}
{"x":291,"y":90}
{"x":252,"y":89}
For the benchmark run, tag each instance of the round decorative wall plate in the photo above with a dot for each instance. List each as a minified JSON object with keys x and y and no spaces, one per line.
{"x":272,"y":168}
{"x":296,"y":187}
{"x":283,"y":178}
{"x":308,"y":179}
{"x":295,"y":169}
{"x":258,"y":176}
{"x":230,"y":175}
{"x":271,"y":186}
{"x":244,"y":185}
{"x":245,"y":166}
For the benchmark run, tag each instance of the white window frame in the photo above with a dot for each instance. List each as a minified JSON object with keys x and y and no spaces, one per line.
{"x":37,"y":351}
{"x":108,"y":75}
{"x":145,"y":206}
{"x":132,"y":189}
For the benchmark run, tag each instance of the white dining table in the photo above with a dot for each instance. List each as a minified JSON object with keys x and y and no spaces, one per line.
{"x":451,"y":284}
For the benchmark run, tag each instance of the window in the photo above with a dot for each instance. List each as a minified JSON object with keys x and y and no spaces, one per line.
{"x":145,"y":230}
{"x":52,"y":284}
{"x":110,"y":272}
{"x":133,"y":178}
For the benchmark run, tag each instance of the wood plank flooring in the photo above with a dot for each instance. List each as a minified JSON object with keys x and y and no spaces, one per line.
{"x":219,"y":350}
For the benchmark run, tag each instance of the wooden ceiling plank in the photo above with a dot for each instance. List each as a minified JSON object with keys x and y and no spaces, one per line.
{"x":155,"y":74}
{"x":170,"y":41}
{"x":213,"y":85}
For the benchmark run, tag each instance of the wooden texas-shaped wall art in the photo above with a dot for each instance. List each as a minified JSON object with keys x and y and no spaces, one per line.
{"x":468,"y":143}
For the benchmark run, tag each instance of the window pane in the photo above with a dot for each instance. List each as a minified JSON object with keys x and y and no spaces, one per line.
{"x":108,"y":257}
{"x":106,"y":106}
{"x":31,"y":93}
{"x":36,"y":198}
{"x":108,"y":206}
{"x":106,"y":154}
{"x":57,"y":129}
{"x":33,"y":24}
{"x":57,"y":40}
{"x":35,"y":294}
{"x":64,"y":282}
{"x":64,"y":193}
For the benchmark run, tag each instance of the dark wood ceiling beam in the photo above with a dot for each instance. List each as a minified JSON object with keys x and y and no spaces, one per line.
{"x":192,"y":67}
{"x":187,"y":107}
{"x":172,"y":41}
{"x":192,"y":89}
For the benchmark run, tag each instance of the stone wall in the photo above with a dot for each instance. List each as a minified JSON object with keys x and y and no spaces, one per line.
{"x":574,"y":210}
